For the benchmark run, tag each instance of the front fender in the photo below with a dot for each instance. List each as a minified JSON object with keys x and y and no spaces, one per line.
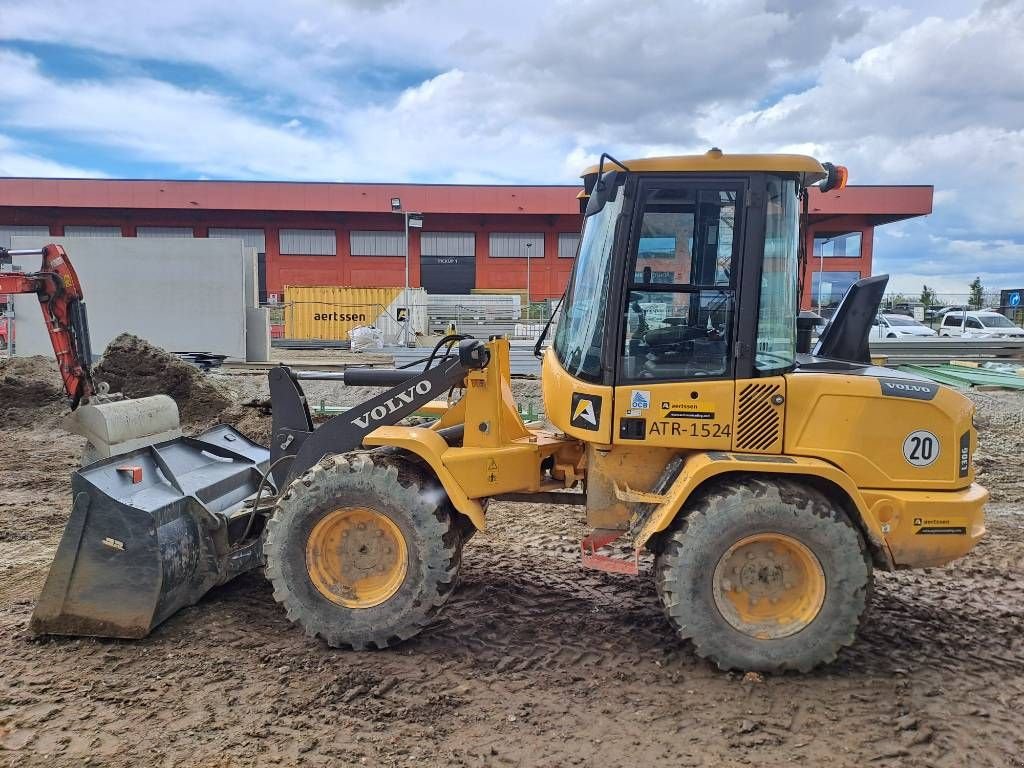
{"x":430,"y":447}
{"x":701,"y":467}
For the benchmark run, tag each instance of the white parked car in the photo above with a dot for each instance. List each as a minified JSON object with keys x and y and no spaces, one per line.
{"x":979,"y":325}
{"x":898,"y":327}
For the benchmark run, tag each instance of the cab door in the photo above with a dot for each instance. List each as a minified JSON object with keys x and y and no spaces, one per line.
{"x":677,"y":335}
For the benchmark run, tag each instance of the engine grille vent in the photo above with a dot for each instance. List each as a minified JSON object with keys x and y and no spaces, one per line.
{"x":758,"y":421}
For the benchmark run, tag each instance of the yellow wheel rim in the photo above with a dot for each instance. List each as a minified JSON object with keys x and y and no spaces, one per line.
{"x":356,"y":557}
{"x":769,"y":586}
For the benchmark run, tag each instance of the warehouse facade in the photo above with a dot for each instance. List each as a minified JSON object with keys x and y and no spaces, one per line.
{"x":472,"y":237}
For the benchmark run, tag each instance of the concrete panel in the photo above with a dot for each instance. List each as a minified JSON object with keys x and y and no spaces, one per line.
{"x":257,"y":335}
{"x":183,"y":295}
{"x":250,"y":274}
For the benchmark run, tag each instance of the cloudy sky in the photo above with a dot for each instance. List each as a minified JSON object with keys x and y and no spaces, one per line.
{"x":910,"y":91}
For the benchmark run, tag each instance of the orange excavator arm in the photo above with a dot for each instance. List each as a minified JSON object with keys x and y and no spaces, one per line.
{"x":61,"y":300}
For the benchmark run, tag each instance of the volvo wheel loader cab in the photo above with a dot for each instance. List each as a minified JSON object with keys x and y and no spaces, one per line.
{"x":767,"y":481}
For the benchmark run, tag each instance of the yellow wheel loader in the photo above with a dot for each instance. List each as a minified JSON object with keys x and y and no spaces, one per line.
{"x":688,"y":417}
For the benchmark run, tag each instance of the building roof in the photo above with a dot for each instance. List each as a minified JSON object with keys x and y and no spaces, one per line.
{"x":881,"y":204}
{"x":285,"y":196}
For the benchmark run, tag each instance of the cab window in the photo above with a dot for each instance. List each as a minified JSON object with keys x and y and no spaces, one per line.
{"x":680,"y":303}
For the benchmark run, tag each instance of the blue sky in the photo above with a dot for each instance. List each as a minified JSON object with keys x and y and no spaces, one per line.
{"x":364,"y":90}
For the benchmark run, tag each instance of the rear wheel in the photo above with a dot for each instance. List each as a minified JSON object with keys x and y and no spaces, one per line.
{"x":363,"y":549}
{"x":765,"y":575}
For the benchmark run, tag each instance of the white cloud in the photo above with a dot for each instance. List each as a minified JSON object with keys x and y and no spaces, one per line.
{"x":19,"y":160}
{"x":928,"y":91}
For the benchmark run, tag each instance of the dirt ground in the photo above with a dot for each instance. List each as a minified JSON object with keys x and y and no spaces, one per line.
{"x":533,"y":662}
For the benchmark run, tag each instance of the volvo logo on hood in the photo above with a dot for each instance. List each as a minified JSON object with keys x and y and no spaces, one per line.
{"x":380,"y":412}
{"x":911,"y":388}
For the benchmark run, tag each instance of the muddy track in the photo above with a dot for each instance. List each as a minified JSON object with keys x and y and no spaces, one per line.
{"x":532,"y":662}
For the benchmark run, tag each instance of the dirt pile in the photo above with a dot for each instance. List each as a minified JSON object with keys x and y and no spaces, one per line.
{"x":30,"y":392}
{"x":252,"y":418}
{"x":138,"y":369}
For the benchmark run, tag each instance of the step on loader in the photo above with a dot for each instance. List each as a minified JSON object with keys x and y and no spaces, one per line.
{"x":687,"y":416}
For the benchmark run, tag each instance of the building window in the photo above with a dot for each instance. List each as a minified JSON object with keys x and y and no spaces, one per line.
{"x":828,"y":288}
{"x":517,"y":245}
{"x":837,"y":245}
{"x":458,"y":244}
{"x":568,"y":244}
{"x":73,"y":230}
{"x":164,"y":232}
{"x":14,"y":230}
{"x":308,"y":242}
{"x":373,"y":242}
{"x":251,"y":238}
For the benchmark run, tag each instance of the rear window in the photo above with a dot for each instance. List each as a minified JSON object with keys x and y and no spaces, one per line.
{"x":900,"y":320}
{"x":995,"y":321}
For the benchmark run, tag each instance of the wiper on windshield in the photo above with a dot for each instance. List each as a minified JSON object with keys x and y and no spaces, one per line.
{"x":544,"y":334}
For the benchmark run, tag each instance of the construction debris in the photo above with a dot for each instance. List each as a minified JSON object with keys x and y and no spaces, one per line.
{"x":961,"y":375}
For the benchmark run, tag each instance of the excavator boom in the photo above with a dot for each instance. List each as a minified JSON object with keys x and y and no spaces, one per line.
{"x":60,"y":296}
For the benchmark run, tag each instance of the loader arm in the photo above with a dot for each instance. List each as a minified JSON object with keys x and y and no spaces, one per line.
{"x":60,"y":297}
{"x":293,"y":432}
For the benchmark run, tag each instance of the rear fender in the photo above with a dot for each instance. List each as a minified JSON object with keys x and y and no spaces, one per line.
{"x":701,"y":468}
{"x":430,"y":447}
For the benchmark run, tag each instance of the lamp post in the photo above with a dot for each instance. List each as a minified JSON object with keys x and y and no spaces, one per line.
{"x":415,"y":220}
{"x":528,"y":245}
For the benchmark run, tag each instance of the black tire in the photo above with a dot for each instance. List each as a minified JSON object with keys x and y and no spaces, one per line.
{"x":412,"y":499}
{"x":739,"y":508}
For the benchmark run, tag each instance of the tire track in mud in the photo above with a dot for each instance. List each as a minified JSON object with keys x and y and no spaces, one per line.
{"x":534,"y":661}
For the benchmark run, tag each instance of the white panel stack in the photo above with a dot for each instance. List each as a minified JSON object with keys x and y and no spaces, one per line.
{"x":182,"y":295}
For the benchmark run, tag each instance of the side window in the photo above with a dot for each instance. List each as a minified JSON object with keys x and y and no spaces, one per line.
{"x":679,"y":311}
{"x":951,"y":320}
{"x":973,"y":323}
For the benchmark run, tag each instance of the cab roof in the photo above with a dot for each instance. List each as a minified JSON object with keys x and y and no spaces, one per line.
{"x":715,"y":160}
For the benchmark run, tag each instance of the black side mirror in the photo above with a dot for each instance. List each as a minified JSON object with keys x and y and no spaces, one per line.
{"x":605,"y":190}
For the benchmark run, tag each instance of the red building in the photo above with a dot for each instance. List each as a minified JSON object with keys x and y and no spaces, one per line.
{"x":472,"y":237}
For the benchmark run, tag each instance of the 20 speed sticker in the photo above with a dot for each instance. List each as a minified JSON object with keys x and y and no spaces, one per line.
{"x":921,"y":448}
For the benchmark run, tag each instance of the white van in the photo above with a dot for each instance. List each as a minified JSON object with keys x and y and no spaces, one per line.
{"x":979,"y":325}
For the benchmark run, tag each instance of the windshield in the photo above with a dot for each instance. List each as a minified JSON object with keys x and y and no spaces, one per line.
{"x":995,"y":321}
{"x":776,"y":316}
{"x":580,"y":331}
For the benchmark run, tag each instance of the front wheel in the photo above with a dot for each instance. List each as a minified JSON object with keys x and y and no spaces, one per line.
{"x":363,"y":550}
{"x":765,"y":575}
